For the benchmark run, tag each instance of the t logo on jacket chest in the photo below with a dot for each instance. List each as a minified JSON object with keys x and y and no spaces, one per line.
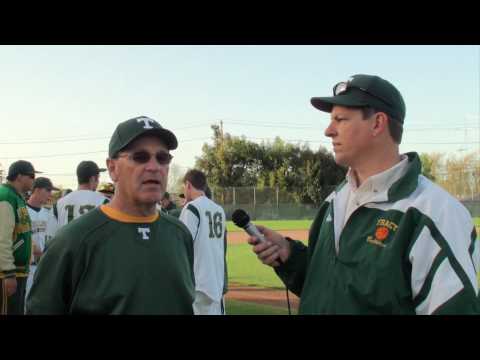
{"x":144,"y":232}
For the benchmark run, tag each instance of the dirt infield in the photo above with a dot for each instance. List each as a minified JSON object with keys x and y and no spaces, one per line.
{"x":240,"y":237}
{"x":261,"y":295}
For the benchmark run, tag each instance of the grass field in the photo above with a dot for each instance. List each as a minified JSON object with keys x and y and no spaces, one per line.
{"x":246,"y":269}
{"x":476,"y":221}
{"x":233,"y":307}
{"x":276,"y":225}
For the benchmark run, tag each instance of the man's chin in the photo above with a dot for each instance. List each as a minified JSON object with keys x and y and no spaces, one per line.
{"x":340,"y":161}
{"x":152,"y":197}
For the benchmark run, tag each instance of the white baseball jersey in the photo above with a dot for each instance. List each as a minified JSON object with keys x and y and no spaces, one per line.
{"x":76,"y":204}
{"x":44,"y":226}
{"x":206,"y":222}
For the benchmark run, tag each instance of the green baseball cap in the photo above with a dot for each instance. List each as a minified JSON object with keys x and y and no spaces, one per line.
{"x":131,"y":129}
{"x":21,"y":167}
{"x":44,"y":183}
{"x":365,"y":90}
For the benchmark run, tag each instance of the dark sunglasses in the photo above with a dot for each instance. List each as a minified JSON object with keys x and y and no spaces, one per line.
{"x":343,"y":86}
{"x":143,"y":157}
{"x":31,"y":176}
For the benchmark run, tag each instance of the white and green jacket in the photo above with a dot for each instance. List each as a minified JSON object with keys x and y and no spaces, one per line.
{"x":411,"y":251}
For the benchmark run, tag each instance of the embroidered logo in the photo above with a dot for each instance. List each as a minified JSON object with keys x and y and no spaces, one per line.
{"x":144,"y":232}
{"x":384,"y":229}
{"x":24,"y":224}
{"x":146,"y":122}
{"x":381,"y":233}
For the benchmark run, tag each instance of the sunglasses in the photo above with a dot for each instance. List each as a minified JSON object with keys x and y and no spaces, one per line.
{"x":143,"y":157}
{"x":343,"y":86}
{"x":31,"y":176}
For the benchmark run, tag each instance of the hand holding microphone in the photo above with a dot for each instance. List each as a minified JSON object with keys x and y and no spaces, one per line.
{"x":271,"y":247}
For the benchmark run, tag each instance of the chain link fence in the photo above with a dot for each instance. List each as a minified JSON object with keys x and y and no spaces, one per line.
{"x":275,"y":204}
{"x":264,"y":204}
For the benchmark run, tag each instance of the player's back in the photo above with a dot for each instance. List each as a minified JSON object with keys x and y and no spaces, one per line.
{"x":43,"y":225}
{"x":76,"y":204}
{"x":208,"y":243}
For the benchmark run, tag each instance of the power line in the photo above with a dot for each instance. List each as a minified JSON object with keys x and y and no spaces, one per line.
{"x":236,"y":123}
{"x":79,"y":138}
{"x":52,"y":155}
{"x":290,"y":126}
{"x":250,"y":138}
{"x":52,"y":141}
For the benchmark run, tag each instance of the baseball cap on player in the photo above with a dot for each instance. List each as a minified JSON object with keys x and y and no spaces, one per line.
{"x":131,"y":129}
{"x":21,"y":167}
{"x":87,"y":169}
{"x":44,"y":183}
{"x":365,"y":90}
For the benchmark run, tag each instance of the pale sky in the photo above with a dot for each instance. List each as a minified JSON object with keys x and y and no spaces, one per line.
{"x":60,"y":104}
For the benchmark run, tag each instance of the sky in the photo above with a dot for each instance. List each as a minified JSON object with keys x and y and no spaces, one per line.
{"x":61,"y":104}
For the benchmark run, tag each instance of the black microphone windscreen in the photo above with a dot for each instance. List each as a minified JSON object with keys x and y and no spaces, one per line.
{"x":240,"y":218}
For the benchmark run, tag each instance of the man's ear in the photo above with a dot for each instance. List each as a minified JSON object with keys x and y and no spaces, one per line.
{"x":112,"y":169}
{"x":380,"y":124}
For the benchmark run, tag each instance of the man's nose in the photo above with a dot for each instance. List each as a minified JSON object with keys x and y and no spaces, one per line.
{"x":154,"y":165}
{"x":330,"y":131}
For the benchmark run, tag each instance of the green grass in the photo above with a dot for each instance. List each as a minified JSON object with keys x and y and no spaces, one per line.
{"x":245,"y":268}
{"x":476,"y":221}
{"x":277,"y":225}
{"x":234,"y":307}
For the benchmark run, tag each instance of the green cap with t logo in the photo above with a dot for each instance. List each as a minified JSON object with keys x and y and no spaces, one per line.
{"x":131,"y":129}
{"x":365,"y":90}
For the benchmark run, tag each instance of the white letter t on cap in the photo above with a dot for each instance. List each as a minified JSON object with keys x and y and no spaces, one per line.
{"x":146,"y":122}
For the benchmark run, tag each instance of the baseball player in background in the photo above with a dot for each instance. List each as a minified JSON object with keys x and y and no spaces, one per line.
{"x":43,"y":222}
{"x":85,"y":198}
{"x":206,"y":222}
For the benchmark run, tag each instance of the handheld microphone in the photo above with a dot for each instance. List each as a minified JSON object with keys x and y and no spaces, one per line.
{"x":242,"y":220}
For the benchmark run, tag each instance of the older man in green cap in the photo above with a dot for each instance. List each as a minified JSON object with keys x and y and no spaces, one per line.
{"x":123,"y":257}
{"x":387,"y":240}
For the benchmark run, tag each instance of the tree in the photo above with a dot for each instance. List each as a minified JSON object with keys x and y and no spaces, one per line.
{"x":231,"y":161}
{"x":175,"y":179}
{"x":325,"y":175}
{"x":292,"y":168}
{"x":427,"y":166}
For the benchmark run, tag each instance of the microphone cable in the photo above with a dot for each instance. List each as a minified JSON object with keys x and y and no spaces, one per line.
{"x":288,"y":301}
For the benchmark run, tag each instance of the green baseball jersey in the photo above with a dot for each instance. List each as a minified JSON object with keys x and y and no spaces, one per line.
{"x":411,"y":251}
{"x":15,"y":233}
{"x":107,"y":262}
